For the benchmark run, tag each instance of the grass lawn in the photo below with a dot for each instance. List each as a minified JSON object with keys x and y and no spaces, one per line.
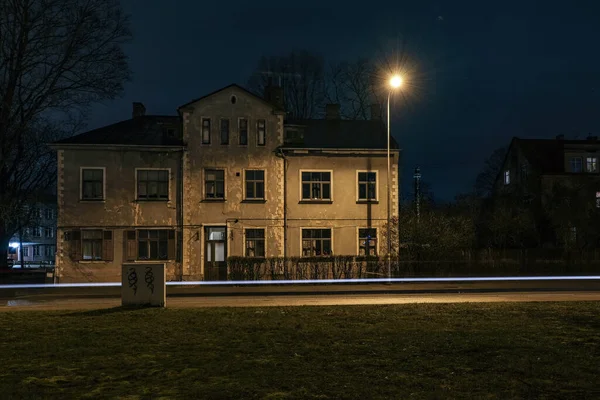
{"x":493,"y":350}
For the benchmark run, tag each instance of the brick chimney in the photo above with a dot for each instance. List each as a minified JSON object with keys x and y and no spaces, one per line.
{"x":332,"y":111}
{"x":375,"y":112}
{"x":138,"y":110}
{"x":274,"y":94}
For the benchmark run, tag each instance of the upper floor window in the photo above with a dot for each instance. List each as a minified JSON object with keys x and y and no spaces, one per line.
{"x":37,"y":231}
{"x":316,"y":242}
{"x":205,"y":130}
{"x":261,"y":132}
{"x":49,"y":232}
{"x":316,"y":185}
{"x":576,"y":164}
{"x":224,"y":131}
{"x":49,"y":213}
{"x":255,"y":184}
{"x":243,"y":131}
{"x":255,"y":242}
{"x":367,"y":186}
{"x":153,"y":184}
{"x":367,"y":241}
{"x":214,"y":184}
{"x":591,"y":164}
{"x":92,"y":183}
{"x":507,"y":177}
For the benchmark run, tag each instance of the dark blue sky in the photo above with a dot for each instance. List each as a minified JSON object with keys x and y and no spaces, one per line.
{"x":481,"y":72}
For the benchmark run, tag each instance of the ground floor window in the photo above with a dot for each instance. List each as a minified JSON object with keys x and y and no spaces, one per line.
{"x":367,"y":241}
{"x":255,"y":242}
{"x":90,"y":244}
{"x":36,"y":250}
{"x":49,"y":251}
{"x":316,"y":242}
{"x":150,"y":244}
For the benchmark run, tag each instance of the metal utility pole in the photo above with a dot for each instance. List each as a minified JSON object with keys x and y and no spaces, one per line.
{"x":417,"y":178}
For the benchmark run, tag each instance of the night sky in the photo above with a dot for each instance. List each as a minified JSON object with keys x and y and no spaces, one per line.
{"x":480,"y":73}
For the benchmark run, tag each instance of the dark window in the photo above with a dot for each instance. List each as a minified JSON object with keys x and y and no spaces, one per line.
{"x":49,"y":213}
{"x":25,"y":251}
{"x":367,"y":186}
{"x":224,"y":131}
{"x":36,"y":250}
{"x":92,"y":184}
{"x":367,"y":241}
{"x":205,"y":130}
{"x":316,"y":186}
{"x":255,"y":184}
{"x":171,"y":132}
{"x":49,"y":232}
{"x":243,"y":129}
{"x":153,"y":184}
{"x":37,"y":231}
{"x":255,"y":242}
{"x":316,"y":242}
{"x":91,"y":244}
{"x":261,"y":132}
{"x":153,"y":244}
{"x":214,"y":183}
{"x":576,"y":164}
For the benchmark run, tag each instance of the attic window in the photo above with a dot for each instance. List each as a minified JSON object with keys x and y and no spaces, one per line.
{"x":294,"y":135}
{"x":233,"y":99}
{"x":507,"y":177}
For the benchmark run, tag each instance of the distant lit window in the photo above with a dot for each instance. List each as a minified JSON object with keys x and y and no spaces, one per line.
{"x":243,"y":131}
{"x":224,"y":131}
{"x":261,"y":132}
{"x":49,"y":251}
{"x":591,"y":164}
{"x":367,"y":241}
{"x":255,"y":242}
{"x":92,"y":184}
{"x":506,"y":177}
{"x":214,"y":184}
{"x":255,"y":184}
{"x":49,"y":213}
{"x":576,"y":164}
{"x":205,"y":130}
{"x":37,"y":231}
{"x":25,"y":251}
{"x":49,"y":232}
{"x":597,"y":199}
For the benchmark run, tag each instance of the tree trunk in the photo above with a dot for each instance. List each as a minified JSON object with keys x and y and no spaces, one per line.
{"x":4,"y":239}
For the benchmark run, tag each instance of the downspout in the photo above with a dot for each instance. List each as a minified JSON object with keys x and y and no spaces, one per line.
{"x":180,"y":213}
{"x":285,"y":160}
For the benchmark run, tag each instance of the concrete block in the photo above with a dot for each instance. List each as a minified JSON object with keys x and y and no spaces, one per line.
{"x":143,"y":285}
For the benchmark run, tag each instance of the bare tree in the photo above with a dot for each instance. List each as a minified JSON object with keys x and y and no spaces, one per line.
{"x":301,"y":75}
{"x":484,"y":183}
{"x":57,"y":57}
{"x":354,"y":86}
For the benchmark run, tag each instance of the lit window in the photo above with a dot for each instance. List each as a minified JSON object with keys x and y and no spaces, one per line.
{"x":152,"y":184}
{"x":255,"y":184}
{"x":506,"y":177}
{"x":316,"y":186}
{"x":367,"y":186}
{"x":205,"y":130}
{"x":255,"y":242}
{"x":37,"y":231}
{"x":49,"y":251}
{"x":224,"y":131}
{"x":576,"y":164}
{"x":49,"y":232}
{"x":243,"y":131}
{"x":316,"y":242}
{"x":92,"y":184}
{"x":261,"y":132}
{"x":214,"y":184}
{"x":591,"y":164}
{"x":367,"y":241}
{"x":91,"y":244}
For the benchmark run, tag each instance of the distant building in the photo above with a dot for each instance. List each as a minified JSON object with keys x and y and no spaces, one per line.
{"x":230,"y":175}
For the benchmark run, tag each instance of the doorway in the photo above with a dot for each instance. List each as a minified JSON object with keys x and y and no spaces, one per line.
{"x":215,"y":253}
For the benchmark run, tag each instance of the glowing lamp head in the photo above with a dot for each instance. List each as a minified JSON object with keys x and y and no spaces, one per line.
{"x":396,"y":81}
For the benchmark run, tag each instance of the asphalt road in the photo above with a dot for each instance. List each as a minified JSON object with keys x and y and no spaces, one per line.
{"x":309,"y":295}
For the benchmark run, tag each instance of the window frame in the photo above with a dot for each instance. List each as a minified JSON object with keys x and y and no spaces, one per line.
{"x":202,"y":138}
{"x":358,"y":183}
{"x":224,"y":143}
{"x":302,"y":229}
{"x":595,"y":163}
{"x":573,"y":158}
{"x":48,"y":229}
{"x":506,"y":179}
{"x":149,"y":240}
{"x":37,"y":232}
{"x":52,"y":252}
{"x":263,"y":239}
{"x":92,"y":241}
{"x":264,"y":182}
{"x":49,"y":213}
{"x":26,"y":251}
{"x":239,"y":126}
{"x":204,"y":182}
{"x":358,"y":242}
{"x":36,"y":250}
{"x":137,"y":192}
{"x":103,"y":198}
{"x":264,"y":132}
{"x":311,"y":200}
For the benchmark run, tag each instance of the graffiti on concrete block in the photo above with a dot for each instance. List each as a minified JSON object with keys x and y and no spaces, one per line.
{"x":133,"y":280}
{"x":149,"y":279}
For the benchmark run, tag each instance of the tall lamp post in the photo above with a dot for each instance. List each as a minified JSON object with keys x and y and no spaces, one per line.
{"x":395,"y":83}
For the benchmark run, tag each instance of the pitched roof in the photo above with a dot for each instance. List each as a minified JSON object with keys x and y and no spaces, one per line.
{"x":545,"y":155}
{"x":145,"y":131}
{"x":342,"y":134}
{"x":233,"y":85}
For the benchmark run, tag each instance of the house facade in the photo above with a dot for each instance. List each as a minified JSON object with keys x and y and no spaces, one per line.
{"x":230,"y":175}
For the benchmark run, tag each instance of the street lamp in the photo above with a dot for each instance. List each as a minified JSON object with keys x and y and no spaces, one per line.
{"x":395,"y":83}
